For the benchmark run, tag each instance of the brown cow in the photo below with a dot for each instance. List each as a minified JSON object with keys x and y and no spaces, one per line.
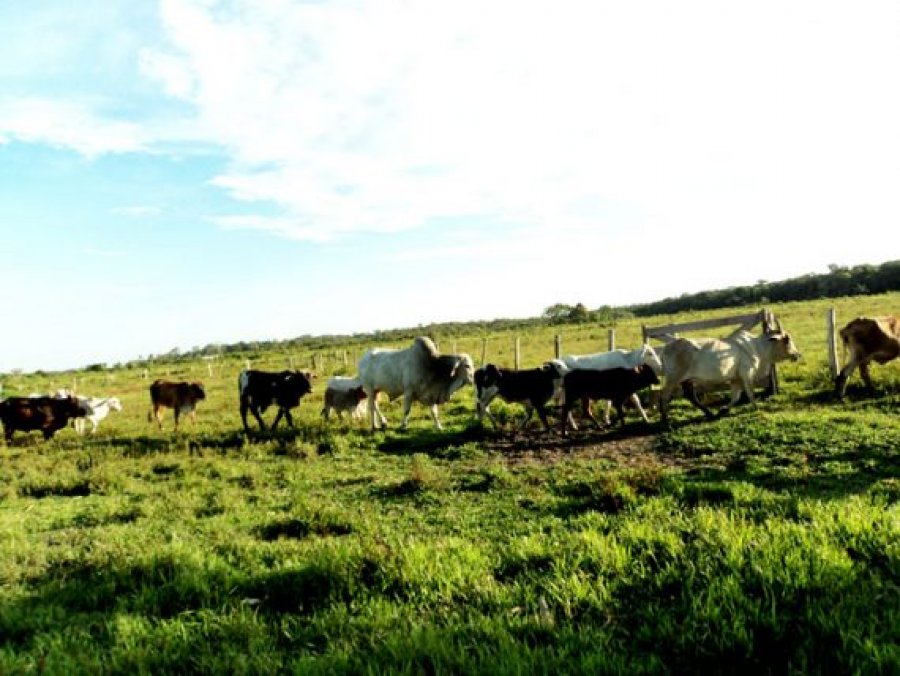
{"x":181,"y":397}
{"x":47,"y":414}
{"x":867,"y":339}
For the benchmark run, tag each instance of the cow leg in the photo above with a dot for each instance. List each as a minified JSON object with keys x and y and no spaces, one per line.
{"x":278,"y":417}
{"x":157,"y":413}
{"x":586,"y":411}
{"x":48,"y":434}
{"x":665,"y":394}
{"x":289,"y":418}
{"x":486,"y":411}
{"x":606,"y":413}
{"x":177,"y":413}
{"x":742,"y":387}
{"x":434,"y":416}
{"x":636,"y":400}
{"x":244,"y":408}
{"x":481,"y":408}
{"x":542,"y":414}
{"x":374,"y":410}
{"x":620,"y":413}
{"x":407,"y":407}
{"x":840,"y":383}
{"x":864,"y":373}
{"x":529,"y":409}
{"x":690,"y":394}
{"x":565,"y":418}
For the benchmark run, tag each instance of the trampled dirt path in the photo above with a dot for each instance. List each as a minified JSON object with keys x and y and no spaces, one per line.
{"x":635,"y":448}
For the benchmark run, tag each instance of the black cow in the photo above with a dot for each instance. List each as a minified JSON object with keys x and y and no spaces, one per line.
{"x":616,"y":384}
{"x":261,"y":389}
{"x":533,"y":387}
{"x":47,"y":414}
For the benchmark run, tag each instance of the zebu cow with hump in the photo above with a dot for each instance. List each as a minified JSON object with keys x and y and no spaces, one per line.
{"x":868,"y":339}
{"x":737,"y":360}
{"x":418,"y":372}
{"x":625,"y":359}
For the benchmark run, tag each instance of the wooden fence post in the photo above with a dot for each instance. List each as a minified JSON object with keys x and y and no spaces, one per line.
{"x":518,"y":353}
{"x":831,"y":322}
{"x":557,"y":343}
{"x":611,"y":335}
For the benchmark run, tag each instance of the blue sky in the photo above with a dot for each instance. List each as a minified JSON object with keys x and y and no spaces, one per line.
{"x":181,"y":172}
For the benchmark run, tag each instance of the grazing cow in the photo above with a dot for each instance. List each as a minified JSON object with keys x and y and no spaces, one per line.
{"x":97,"y":409}
{"x":616,"y":385}
{"x":625,"y":359}
{"x":868,"y":339}
{"x":181,"y":397}
{"x":533,"y":387}
{"x":261,"y":389}
{"x":418,"y":372}
{"x":47,"y":414}
{"x":737,"y":360}
{"x":344,"y":394}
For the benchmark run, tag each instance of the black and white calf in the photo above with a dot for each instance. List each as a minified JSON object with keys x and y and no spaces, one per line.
{"x":532,"y":387}
{"x":616,"y":385}
{"x":261,"y":389}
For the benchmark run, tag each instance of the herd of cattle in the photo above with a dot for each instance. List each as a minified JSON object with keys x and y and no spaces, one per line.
{"x":419,"y":373}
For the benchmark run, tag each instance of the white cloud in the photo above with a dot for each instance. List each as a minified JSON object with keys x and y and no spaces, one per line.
{"x":69,"y":124}
{"x":138,"y":211}
{"x":385,"y":116}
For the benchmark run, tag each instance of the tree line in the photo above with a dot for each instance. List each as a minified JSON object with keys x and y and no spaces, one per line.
{"x":838,"y":281}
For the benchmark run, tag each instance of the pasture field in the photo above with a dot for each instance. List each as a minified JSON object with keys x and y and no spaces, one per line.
{"x":766,"y":542}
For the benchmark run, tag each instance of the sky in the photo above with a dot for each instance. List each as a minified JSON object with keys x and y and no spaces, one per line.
{"x":175,"y":173}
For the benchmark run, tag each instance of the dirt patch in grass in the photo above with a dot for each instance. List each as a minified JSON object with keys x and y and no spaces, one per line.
{"x":636,"y":449}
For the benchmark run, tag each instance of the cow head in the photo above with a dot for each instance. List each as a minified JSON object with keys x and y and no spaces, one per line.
{"x":647,"y":375}
{"x":783,"y":346}
{"x":463,"y":371}
{"x":487,"y":387}
{"x":359,"y":392}
{"x":291,"y":387}
{"x":74,"y":407}
{"x":651,"y":359}
{"x":196,"y":390}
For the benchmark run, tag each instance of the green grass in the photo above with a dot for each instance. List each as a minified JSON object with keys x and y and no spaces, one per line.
{"x":766,"y":541}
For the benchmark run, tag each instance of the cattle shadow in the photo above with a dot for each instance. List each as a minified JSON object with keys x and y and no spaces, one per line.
{"x":435,"y":443}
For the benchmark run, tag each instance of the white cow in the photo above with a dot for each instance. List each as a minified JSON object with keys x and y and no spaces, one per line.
{"x":626,"y":359}
{"x":418,"y":372}
{"x":98,"y":408}
{"x":344,"y":394}
{"x":737,"y":360}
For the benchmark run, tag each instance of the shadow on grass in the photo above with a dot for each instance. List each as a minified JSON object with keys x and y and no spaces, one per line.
{"x":435,"y":443}
{"x":75,"y":593}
